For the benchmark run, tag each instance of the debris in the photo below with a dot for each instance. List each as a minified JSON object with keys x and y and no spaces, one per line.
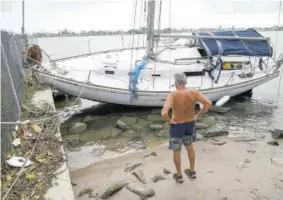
{"x":85,"y":191}
{"x":151,"y":154}
{"x":14,"y":134}
{"x":18,"y":162}
{"x":210,"y":171}
{"x":155,"y":127}
{"x":141,"y":190}
{"x":166,"y":171}
{"x":129,"y":120}
{"x":241,"y":165}
{"x":36,"y":128}
{"x":154,"y":118}
{"x":276,"y":133}
{"x":215,"y":132}
{"x":113,"y":188}
{"x":247,"y":161}
{"x":132,"y":167}
{"x":16,"y":142}
{"x":220,"y":142}
{"x":238,"y":180}
{"x":161,"y":134}
{"x":121,"y":125}
{"x":251,"y":151}
{"x":218,"y":109}
{"x":73,"y":183}
{"x":208,"y":120}
{"x":157,"y":178}
{"x":274,"y":143}
{"x":139,"y":175}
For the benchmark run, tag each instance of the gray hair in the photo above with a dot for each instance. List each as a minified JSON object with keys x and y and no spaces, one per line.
{"x":180,"y":79}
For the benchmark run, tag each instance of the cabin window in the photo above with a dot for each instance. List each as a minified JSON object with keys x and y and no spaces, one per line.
{"x":156,"y":75}
{"x":199,"y":73}
{"x":202,"y":52}
{"x":109,"y":72}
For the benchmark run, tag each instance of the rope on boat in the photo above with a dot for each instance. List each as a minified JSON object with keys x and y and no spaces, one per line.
{"x":279,"y":14}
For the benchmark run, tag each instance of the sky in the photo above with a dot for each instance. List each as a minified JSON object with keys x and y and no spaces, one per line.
{"x":78,"y":15}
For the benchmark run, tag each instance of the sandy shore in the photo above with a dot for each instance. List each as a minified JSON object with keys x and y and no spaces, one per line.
{"x":218,"y":176}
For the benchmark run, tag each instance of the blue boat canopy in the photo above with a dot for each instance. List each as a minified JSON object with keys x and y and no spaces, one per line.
{"x":226,"y":47}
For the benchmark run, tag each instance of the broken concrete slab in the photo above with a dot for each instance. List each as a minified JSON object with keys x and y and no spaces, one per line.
{"x":141,"y":190}
{"x":139,"y":175}
{"x":155,"y":127}
{"x":157,"y":178}
{"x":215,"y":132}
{"x":201,"y":125}
{"x":219,"y":142}
{"x":78,"y":127}
{"x":242,"y":138}
{"x":122,"y":125}
{"x":113,"y":188}
{"x":132,"y":167}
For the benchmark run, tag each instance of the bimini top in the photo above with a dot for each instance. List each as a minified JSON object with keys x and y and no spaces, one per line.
{"x":229,"y":46}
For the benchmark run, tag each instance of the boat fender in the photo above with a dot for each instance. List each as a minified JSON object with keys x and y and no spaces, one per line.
{"x":222,"y":101}
{"x":227,"y":66}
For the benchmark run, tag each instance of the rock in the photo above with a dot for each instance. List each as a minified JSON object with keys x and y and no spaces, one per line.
{"x":151,"y":154}
{"x":90,"y":118}
{"x":215,"y":132}
{"x":251,"y":151}
{"x":200,"y":126}
{"x":85,"y":191}
{"x":220,"y":143}
{"x":132,"y":167}
{"x":113,"y":188}
{"x":208,"y":120}
{"x":277,"y":160}
{"x":274,"y":143}
{"x":218,"y":109}
{"x":133,"y":135}
{"x":166,"y":171}
{"x":141,"y":190}
{"x":137,"y":128}
{"x":277,"y":134}
{"x":155,"y":127}
{"x":78,"y":127}
{"x":121,"y":125}
{"x":157,"y":178}
{"x":241,"y":165}
{"x":199,"y":136}
{"x":154,"y":118}
{"x":129,"y":120}
{"x":242,"y":138}
{"x":161,"y":134}
{"x":139,"y":175}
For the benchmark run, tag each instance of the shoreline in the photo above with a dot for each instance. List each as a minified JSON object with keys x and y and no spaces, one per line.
{"x":218,"y":172}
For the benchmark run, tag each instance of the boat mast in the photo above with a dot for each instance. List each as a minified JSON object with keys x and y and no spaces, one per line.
{"x":150,"y":27}
{"x":23,"y":17}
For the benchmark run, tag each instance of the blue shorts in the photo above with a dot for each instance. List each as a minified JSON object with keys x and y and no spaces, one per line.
{"x":182,"y":133}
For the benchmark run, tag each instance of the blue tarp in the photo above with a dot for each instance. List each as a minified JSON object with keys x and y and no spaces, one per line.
{"x":226,"y":47}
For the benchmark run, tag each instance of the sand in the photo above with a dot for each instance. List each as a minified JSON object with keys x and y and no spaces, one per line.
{"x":218,"y":176}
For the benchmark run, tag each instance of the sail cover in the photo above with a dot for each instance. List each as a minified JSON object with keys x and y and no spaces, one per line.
{"x":226,"y":47}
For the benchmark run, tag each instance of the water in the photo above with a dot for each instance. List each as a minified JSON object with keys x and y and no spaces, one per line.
{"x":262,"y":112}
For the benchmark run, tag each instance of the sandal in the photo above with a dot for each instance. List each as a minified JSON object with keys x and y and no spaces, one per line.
{"x":190,"y":174}
{"x":178,"y":179}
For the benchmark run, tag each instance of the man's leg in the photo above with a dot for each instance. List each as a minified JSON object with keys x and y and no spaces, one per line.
{"x":177,"y":162}
{"x":188,"y":143}
{"x":192,"y":157}
{"x":175,"y":144}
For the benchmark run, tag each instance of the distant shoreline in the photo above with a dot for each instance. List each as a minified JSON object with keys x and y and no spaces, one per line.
{"x":127,"y":34}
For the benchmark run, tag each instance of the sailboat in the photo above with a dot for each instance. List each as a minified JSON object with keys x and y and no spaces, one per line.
{"x":219,"y":64}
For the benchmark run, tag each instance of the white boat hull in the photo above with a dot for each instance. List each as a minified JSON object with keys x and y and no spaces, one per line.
{"x":144,"y":98}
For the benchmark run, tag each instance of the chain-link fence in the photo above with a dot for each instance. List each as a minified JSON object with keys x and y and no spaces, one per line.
{"x":13,"y":81}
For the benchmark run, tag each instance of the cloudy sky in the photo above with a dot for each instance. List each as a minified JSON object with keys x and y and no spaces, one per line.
{"x":77,"y":15}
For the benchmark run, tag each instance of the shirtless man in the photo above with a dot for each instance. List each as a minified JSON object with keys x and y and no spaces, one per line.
{"x":182,"y":125}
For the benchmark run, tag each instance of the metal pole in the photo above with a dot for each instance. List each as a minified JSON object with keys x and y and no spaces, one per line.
{"x":150,"y":27}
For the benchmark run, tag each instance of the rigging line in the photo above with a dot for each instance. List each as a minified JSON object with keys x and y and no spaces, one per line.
{"x":144,"y":22}
{"x":158,"y":32}
{"x":135,"y":12}
{"x":139,"y":28}
{"x":171,"y":39}
{"x":279,"y":15}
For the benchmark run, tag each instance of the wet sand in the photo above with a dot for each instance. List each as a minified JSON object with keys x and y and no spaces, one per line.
{"x":218,"y":176}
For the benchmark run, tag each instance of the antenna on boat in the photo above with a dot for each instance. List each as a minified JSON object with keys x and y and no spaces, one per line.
{"x":150,"y":27}
{"x":23,"y":17}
